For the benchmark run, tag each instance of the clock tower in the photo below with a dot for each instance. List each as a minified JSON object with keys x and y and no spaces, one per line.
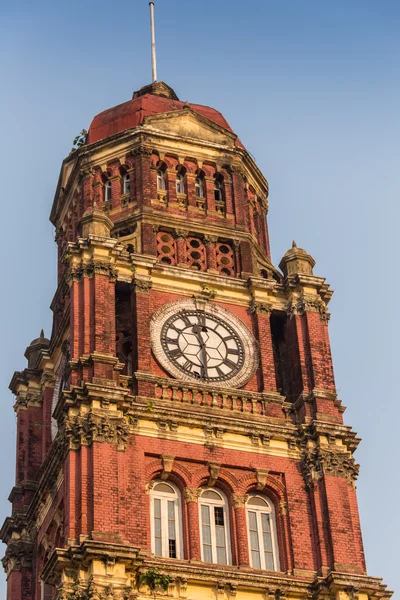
{"x":180,"y":433}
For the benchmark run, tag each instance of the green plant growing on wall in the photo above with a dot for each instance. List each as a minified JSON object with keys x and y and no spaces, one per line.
{"x":79,"y":140}
{"x":155,"y":580}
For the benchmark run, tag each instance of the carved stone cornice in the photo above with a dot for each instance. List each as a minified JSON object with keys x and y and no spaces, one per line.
{"x":308,"y":303}
{"x":84,"y":430}
{"x":317,"y":463}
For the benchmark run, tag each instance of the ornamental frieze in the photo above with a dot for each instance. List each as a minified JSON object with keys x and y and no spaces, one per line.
{"x":83,"y":431}
{"x":308,"y":303}
{"x":315,"y":464}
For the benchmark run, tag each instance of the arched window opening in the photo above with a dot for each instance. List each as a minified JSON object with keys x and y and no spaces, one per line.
{"x":166,"y":531}
{"x":161,"y":182}
{"x":180,"y":183}
{"x":214,"y":522}
{"x":107,"y":191}
{"x":199,"y":185}
{"x":261,"y":528}
{"x":126,"y":184}
{"x":218,"y":195}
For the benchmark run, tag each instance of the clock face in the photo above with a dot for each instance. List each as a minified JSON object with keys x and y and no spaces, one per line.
{"x":209,"y":345}
{"x":202,"y":345}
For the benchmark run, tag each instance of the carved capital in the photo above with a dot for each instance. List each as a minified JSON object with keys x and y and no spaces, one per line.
{"x":239,"y":501}
{"x":84,"y":430}
{"x":308,"y":303}
{"x":320,"y":462}
{"x":182,"y":233}
{"x":141,"y":285}
{"x":192,"y":494}
{"x":260,"y":308}
{"x":210,"y":240}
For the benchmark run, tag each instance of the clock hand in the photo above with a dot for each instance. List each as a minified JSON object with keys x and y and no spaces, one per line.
{"x":197,"y":329}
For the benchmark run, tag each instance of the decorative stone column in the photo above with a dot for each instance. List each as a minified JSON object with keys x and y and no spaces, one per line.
{"x":181,"y":235}
{"x":239,"y":504}
{"x":210,"y":241}
{"x":192,"y":497}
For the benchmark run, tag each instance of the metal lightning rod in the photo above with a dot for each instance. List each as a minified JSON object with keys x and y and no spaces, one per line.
{"x":153,"y":44}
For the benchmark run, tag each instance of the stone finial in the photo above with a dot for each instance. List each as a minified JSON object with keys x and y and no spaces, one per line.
{"x":296,"y":261}
{"x":95,"y":222}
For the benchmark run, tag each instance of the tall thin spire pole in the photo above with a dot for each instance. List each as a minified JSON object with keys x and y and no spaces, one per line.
{"x":153,"y":44}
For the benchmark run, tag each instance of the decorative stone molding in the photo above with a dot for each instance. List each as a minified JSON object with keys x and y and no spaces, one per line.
{"x":182,"y":233}
{"x":239,"y":501}
{"x":308,"y":303}
{"x":192,"y":494}
{"x":141,"y":285}
{"x":315,"y":464}
{"x":210,"y":239}
{"x":167,"y":462}
{"x":83,"y":431}
{"x":214,"y":469}
{"x":260,"y":308}
{"x":89,"y":269}
{"x":261,"y":475}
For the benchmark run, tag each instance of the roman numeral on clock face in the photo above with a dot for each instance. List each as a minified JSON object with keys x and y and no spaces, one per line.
{"x":175,"y":353}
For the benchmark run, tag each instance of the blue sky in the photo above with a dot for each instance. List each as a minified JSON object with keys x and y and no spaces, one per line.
{"x":312,"y":88}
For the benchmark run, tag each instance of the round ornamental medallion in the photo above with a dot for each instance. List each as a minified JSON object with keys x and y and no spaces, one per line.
{"x":210,"y":345}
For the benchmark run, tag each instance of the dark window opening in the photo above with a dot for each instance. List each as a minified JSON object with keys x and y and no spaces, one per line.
{"x":281,"y":363}
{"x":172,"y":548}
{"x":219,"y":515}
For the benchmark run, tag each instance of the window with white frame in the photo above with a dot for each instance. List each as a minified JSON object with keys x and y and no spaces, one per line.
{"x":199,"y":185}
{"x":161,"y":180}
{"x":180,"y":184}
{"x":47,"y":591}
{"x":166,"y":532}
{"x":107,"y":191}
{"x":214,"y":527}
{"x":126,"y":184}
{"x":261,"y":528}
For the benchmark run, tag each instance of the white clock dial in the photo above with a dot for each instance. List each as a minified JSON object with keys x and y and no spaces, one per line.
{"x":202,"y":345}
{"x":210,"y":345}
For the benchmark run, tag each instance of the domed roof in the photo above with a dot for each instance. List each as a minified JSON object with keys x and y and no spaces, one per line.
{"x":150,"y":100}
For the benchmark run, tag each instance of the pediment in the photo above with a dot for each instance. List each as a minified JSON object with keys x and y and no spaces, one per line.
{"x":187,"y":123}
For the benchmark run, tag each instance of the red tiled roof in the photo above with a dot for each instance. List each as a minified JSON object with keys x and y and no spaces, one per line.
{"x":130,"y":114}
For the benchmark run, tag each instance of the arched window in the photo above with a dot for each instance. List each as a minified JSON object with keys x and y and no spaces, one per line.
{"x":166,"y":533}
{"x":199,"y":187}
{"x":261,"y":528}
{"x":126,"y":184}
{"x":161,"y":180}
{"x":218,"y":195}
{"x":214,"y":523}
{"x":107,"y":191}
{"x":180,"y":183}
